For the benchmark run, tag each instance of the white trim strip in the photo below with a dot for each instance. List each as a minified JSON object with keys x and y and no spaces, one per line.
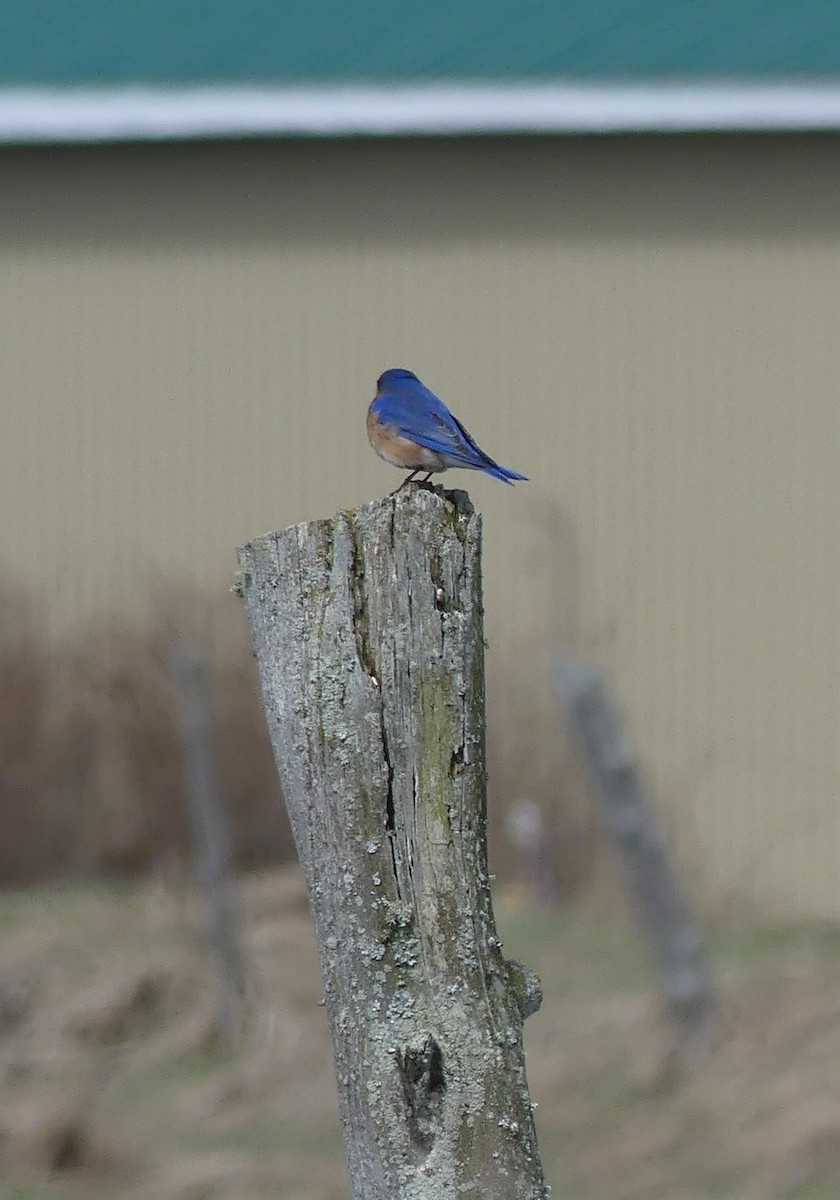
{"x":136,"y":113}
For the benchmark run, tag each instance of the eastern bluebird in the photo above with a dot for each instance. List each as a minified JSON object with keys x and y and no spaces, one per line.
{"x":411,"y":428}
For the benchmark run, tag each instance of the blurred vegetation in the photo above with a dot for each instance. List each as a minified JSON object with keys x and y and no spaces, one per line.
{"x":91,"y":769}
{"x":114,"y":1084}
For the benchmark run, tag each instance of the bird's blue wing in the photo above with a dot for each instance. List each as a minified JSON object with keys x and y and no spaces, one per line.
{"x":422,"y":417}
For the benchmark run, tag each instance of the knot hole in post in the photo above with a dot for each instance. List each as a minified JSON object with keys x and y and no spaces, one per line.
{"x":424,"y":1086}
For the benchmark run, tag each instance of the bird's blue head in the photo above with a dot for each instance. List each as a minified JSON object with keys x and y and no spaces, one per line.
{"x":395,"y":376}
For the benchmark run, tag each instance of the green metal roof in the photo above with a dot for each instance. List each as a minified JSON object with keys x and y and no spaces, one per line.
{"x":90,"y":42}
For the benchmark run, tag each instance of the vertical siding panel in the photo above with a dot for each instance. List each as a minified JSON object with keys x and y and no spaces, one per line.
{"x":647,"y":327}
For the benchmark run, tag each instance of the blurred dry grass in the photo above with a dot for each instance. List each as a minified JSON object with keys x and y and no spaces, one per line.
{"x":529,"y":757}
{"x":90,"y":762}
{"x":112,"y":1084}
{"x":91,"y":766}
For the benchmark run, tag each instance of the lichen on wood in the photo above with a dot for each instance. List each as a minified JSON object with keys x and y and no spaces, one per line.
{"x":368,"y":634}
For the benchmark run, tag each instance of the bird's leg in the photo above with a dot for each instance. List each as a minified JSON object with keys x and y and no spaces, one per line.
{"x":407,"y":479}
{"x":428,"y":478}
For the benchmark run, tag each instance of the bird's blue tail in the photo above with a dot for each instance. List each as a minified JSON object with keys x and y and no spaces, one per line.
{"x":504,"y":473}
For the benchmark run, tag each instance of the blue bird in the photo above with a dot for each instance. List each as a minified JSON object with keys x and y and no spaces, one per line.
{"x":411,"y":428}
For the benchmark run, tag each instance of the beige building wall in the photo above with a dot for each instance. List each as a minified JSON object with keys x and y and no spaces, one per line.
{"x":647,"y":327}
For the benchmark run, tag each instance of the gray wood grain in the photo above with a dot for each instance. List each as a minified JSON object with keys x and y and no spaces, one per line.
{"x":368,"y":631}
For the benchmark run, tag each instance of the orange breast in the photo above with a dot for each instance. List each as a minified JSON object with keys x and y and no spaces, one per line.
{"x":396,"y":449}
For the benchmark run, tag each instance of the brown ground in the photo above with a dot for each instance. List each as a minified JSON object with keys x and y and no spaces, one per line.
{"x":113,"y":1085}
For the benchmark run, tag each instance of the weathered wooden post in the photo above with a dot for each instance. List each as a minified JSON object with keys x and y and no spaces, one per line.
{"x":369,"y":639}
{"x":662,"y":906}
{"x":211,"y":836}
